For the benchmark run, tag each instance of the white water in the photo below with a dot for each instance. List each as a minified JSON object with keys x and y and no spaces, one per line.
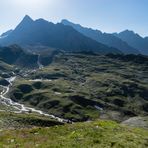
{"x":57,"y":93}
{"x":40,"y":80}
{"x":20,"y":107}
{"x":39,"y":63}
{"x":98,"y":108}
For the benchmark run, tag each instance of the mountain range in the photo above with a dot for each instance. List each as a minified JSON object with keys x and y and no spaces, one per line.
{"x":104,"y":38}
{"x":134,"y":40}
{"x":59,"y":36}
{"x":60,"y":74}
{"x":73,"y":37}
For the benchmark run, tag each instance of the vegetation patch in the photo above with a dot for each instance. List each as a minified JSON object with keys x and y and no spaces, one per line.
{"x":86,"y":87}
{"x":97,"y":134}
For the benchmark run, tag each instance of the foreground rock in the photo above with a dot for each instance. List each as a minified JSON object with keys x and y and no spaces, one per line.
{"x":4,"y":82}
{"x":137,"y":122}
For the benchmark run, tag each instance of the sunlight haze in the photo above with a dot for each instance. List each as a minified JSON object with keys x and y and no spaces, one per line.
{"x":107,"y":15}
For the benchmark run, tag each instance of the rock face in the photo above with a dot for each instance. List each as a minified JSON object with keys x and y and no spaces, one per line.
{"x":104,"y":38}
{"x":5,"y":34}
{"x":15,"y":55}
{"x":59,"y":36}
{"x":4,"y":82}
{"x":134,"y":40}
{"x":137,"y":122}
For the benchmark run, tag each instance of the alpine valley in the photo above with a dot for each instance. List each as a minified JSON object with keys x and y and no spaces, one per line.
{"x":65,"y":85}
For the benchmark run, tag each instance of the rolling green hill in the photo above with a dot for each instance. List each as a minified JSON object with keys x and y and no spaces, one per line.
{"x":79,"y":87}
{"x":83,"y":87}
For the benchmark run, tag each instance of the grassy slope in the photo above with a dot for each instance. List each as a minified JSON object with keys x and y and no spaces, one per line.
{"x":119,"y":87}
{"x":94,"y":78}
{"x":98,"y":134}
{"x":9,"y":120}
{"x":4,"y":67}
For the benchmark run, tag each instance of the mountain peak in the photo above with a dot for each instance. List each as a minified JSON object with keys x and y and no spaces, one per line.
{"x":128,"y":31}
{"x":65,"y":21}
{"x":27,"y":17}
{"x":27,"y":20}
{"x":69,"y":23}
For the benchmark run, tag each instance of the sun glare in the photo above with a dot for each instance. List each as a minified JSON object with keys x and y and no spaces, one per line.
{"x":33,"y":3}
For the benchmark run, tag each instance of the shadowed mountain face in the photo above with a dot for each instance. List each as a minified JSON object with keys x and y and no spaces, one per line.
{"x":104,"y":38}
{"x":134,"y":40}
{"x":5,"y":34}
{"x":41,"y":32}
{"x":15,"y":55}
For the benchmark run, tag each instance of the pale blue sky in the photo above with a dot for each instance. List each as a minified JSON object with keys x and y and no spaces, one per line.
{"x":105,"y":15}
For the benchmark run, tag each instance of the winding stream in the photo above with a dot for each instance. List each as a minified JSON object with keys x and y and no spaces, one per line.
{"x":20,"y":107}
{"x":39,"y":63}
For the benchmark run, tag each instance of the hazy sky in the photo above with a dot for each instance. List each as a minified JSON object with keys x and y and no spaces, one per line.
{"x":105,"y":15}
